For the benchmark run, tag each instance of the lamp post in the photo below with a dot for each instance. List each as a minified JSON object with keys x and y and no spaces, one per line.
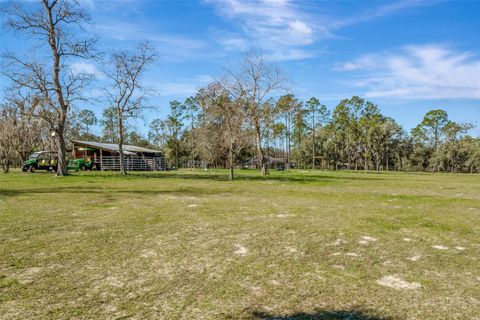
{"x":53,"y":134}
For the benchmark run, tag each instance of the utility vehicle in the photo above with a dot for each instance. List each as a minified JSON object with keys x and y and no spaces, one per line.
{"x":85,"y":162}
{"x":41,"y":160}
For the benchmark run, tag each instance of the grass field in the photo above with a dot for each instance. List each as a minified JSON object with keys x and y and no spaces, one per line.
{"x":192,"y":245}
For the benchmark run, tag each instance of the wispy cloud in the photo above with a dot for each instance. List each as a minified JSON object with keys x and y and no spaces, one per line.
{"x":377,"y":12}
{"x":86,"y":68}
{"x":285,"y":29}
{"x":417,"y":72}
{"x":271,"y":25}
{"x":171,"y":47}
{"x":291,"y":54}
{"x":182,"y":87}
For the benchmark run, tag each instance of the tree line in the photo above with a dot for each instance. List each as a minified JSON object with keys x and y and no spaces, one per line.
{"x":214,"y":128}
{"x":246,"y":116}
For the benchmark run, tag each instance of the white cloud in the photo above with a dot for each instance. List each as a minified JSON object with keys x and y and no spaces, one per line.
{"x":292,"y":54}
{"x":171,"y":47}
{"x":418,"y":72}
{"x":185,"y":87}
{"x":86,"y":68}
{"x":383,"y":10}
{"x":300,"y":28}
{"x":234,"y":43}
{"x":282,"y":27}
{"x":271,"y":25}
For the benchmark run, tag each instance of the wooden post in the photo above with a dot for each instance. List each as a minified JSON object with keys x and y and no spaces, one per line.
{"x":101,"y":160}
{"x":73,"y":151}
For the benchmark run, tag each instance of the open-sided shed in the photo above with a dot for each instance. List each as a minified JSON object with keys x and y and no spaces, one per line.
{"x":106,"y":156}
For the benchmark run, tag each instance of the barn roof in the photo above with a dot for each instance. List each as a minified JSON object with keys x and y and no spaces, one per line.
{"x":114,"y":147}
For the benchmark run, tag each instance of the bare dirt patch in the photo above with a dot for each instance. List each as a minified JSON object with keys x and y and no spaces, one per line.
{"x":397,"y":283}
{"x":352,"y":254}
{"x":338,"y":242}
{"x":414,"y":258}
{"x":28,"y":275}
{"x":240,"y":250}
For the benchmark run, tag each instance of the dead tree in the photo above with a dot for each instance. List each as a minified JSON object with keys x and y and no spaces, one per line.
{"x":57,"y":86}
{"x":27,"y":127}
{"x":256,"y":81}
{"x":126,"y":95}
{"x":8,"y":139}
{"x":227,"y":113}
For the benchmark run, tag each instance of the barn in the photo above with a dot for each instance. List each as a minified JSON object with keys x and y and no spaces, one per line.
{"x":106,"y":156}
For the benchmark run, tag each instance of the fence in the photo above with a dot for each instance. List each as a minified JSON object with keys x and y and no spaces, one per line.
{"x":195,"y":164}
{"x":134,"y":163}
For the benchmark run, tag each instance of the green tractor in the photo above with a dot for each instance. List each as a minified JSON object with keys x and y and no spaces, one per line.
{"x":84,"y":163}
{"x":41,"y":160}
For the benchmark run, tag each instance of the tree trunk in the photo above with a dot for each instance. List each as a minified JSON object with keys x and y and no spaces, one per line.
{"x":176,"y":148}
{"x":6,"y":165}
{"x":386,"y":160}
{"x":192,"y":147}
{"x":313,"y":138}
{"x":335,"y":154}
{"x":123,"y":170}
{"x":231,"y":160}
{"x":62,"y":151}
{"x":61,"y":164}
{"x":287,"y":138}
{"x":261,"y":156}
{"x":366,"y":161}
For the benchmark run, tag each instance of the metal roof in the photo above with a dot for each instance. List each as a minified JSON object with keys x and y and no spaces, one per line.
{"x":114,"y":147}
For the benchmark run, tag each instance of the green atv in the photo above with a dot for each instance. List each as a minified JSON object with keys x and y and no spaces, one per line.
{"x":85,"y":162}
{"x":41,"y":160}
{"x":81,"y":164}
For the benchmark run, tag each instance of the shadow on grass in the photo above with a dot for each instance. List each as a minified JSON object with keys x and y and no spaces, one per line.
{"x":108,"y":191}
{"x":320,"y":315}
{"x":82,"y":182}
{"x":243,"y":175}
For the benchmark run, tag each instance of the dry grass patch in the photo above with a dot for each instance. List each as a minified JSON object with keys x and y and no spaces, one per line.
{"x":192,"y":245}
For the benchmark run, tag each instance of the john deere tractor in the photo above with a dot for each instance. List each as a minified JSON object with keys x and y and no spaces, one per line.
{"x":41,"y":160}
{"x":84,"y":162}
{"x":81,"y":164}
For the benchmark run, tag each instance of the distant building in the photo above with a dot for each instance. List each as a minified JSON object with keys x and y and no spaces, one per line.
{"x":106,"y":156}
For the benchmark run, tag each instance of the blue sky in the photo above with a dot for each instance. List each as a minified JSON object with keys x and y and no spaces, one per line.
{"x":406,"y":56}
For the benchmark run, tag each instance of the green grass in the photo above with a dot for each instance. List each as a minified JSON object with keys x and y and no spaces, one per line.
{"x":192,"y":245}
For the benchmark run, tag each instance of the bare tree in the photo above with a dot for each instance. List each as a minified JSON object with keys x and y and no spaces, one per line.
{"x":56,"y":85}
{"x":207,"y":145}
{"x":256,"y":82}
{"x":126,"y":96}
{"x":8,"y":139}
{"x":158,"y":133}
{"x":19,"y":132}
{"x":27,"y":128}
{"x":228,"y":113}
